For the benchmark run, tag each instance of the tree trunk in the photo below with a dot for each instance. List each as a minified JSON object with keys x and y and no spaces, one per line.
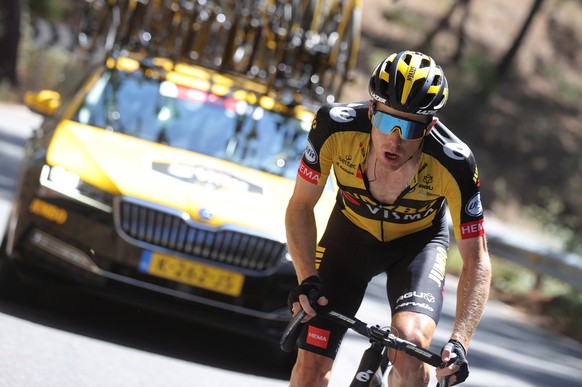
{"x":505,"y":63}
{"x":9,"y":39}
{"x":462,"y":33}
{"x":443,"y":23}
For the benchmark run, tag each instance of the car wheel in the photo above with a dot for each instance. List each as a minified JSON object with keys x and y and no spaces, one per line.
{"x":11,"y":286}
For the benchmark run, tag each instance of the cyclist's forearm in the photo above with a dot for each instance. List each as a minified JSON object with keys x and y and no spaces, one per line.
{"x":301,"y":240}
{"x":472,"y":295}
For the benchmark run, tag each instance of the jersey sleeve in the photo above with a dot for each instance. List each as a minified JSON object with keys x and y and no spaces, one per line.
{"x":316,"y":162}
{"x":462,"y":187}
{"x":465,"y":205}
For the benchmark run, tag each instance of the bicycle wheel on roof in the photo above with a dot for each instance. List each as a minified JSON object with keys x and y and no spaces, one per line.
{"x":344,"y":47}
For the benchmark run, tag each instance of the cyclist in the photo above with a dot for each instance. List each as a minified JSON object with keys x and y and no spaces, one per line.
{"x":398,"y":169}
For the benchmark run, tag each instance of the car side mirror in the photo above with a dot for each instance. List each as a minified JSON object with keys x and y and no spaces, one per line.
{"x":45,"y":102}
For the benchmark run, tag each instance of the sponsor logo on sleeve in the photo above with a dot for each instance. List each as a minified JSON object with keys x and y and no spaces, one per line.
{"x":310,"y":154}
{"x":308,"y":174}
{"x":318,"y":337}
{"x":474,"y":207}
{"x":472,"y":229}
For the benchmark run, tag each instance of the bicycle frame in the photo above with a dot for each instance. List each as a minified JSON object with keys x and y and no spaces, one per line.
{"x":380,"y":340}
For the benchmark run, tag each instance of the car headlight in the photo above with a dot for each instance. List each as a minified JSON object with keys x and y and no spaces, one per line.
{"x":71,"y":185}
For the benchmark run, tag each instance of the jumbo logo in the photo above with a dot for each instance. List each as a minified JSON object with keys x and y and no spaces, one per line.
{"x":342,"y":114}
{"x":457,"y":150}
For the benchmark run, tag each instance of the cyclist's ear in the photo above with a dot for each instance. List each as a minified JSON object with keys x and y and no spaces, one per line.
{"x":371,"y":108}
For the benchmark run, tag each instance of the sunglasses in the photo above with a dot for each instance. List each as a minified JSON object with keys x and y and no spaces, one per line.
{"x":408,"y":129}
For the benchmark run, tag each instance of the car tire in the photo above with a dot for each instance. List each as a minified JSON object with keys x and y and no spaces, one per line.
{"x":12,"y":287}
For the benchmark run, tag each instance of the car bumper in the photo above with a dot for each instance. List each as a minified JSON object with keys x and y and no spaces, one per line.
{"x":46,"y":260}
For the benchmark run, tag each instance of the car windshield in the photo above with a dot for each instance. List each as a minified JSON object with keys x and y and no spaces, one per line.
{"x":195,"y":120}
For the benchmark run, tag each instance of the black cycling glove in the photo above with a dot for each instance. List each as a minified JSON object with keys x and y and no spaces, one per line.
{"x":311,"y":287}
{"x":460,"y":360}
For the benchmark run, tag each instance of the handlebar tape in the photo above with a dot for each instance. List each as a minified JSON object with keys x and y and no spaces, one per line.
{"x":291,"y":332}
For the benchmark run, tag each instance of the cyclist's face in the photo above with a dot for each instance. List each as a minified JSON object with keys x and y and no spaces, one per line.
{"x":391,"y":150}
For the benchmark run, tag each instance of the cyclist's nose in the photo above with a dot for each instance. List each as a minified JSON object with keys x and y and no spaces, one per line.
{"x":394,"y":136}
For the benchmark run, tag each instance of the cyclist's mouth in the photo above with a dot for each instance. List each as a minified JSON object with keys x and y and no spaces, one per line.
{"x":391,"y":156}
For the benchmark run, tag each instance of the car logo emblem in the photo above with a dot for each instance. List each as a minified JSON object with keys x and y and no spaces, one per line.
{"x":205,"y":214}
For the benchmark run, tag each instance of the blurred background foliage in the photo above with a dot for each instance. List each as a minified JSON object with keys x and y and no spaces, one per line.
{"x":515,"y":87}
{"x":515,"y":81}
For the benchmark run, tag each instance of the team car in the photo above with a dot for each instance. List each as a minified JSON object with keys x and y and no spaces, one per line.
{"x":164,"y":185}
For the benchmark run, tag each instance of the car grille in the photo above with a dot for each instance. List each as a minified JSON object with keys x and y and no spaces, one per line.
{"x":157,"y":227}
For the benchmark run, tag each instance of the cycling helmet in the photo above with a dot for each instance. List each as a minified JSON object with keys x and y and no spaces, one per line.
{"x":410,"y":82}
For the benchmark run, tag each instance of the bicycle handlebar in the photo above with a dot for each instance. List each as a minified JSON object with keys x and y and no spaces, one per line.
{"x":374,"y":333}
{"x":291,"y":332}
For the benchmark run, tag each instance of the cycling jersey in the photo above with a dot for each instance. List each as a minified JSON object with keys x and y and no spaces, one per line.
{"x":447,"y":175}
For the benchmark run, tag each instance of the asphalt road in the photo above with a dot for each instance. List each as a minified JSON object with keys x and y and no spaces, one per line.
{"x":71,"y":340}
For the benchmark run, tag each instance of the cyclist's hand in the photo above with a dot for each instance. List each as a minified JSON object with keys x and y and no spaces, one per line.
{"x":306,"y":294}
{"x":455,"y":356}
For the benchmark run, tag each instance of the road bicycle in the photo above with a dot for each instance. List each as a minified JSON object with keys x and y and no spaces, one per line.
{"x":373,"y":363}
{"x":329,"y":53}
{"x":103,"y":26}
{"x":97,"y":22}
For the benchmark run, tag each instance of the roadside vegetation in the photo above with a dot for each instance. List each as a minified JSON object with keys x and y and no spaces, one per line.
{"x":547,"y":301}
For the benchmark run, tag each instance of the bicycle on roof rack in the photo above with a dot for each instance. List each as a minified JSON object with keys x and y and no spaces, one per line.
{"x":303,"y":46}
{"x":374,"y":359}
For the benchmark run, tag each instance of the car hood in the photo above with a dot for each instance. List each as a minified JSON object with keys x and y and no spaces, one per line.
{"x":196,"y":184}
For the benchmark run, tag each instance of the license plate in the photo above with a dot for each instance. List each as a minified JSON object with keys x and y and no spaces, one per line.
{"x":192,"y":273}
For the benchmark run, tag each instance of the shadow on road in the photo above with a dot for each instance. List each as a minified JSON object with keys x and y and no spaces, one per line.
{"x":117,"y":323}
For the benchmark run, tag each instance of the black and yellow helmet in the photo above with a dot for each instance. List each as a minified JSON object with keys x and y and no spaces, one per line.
{"x":410,"y":82}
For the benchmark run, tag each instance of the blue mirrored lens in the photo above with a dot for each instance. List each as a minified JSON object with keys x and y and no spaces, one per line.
{"x":409,"y":130}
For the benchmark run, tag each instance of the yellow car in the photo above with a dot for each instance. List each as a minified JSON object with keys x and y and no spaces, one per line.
{"x":161,"y":184}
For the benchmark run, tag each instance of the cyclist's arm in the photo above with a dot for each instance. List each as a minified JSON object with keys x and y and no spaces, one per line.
{"x":473,"y":288}
{"x":302,"y":235}
{"x":301,"y":228}
{"x":472,"y":294}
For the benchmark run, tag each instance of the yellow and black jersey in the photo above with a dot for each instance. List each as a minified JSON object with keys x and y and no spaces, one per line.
{"x":447,"y":175}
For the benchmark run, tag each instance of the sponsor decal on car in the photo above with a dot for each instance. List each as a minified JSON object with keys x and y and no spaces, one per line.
{"x":205,"y":176}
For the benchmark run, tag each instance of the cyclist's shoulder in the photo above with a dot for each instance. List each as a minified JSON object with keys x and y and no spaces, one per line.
{"x":445,"y":146}
{"x":450,"y":153}
{"x":352,"y":116}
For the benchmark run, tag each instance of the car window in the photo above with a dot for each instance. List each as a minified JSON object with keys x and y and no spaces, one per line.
{"x":182,"y":117}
